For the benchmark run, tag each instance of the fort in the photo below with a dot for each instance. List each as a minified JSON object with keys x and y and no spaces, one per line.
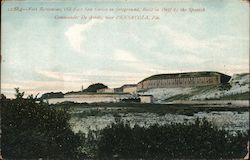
{"x":188,"y":79}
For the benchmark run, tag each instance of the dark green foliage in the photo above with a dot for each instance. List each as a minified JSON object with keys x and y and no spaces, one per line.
{"x":18,"y":94}
{"x":190,"y":141}
{"x":92,"y":89}
{"x":130,"y":100}
{"x":34,"y":130}
{"x":187,"y":112}
{"x":95,"y":87}
{"x":2,"y":97}
{"x":52,"y":95}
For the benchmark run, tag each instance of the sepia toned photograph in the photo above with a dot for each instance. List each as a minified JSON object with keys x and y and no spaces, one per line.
{"x":124,"y":80}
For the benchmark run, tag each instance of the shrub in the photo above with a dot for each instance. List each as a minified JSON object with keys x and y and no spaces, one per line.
{"x":192,"y":141}
{"x":129,"y":100}
{"x":52,"y":95}
{"x":34,"y":130}
{"x":95,"y":87}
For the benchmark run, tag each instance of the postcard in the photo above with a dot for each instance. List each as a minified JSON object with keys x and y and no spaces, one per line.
{"x":126,"y":79}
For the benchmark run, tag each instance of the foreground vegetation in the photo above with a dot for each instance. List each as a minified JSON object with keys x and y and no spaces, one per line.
{"x":32,"y":130}
{"x":190,"y":141}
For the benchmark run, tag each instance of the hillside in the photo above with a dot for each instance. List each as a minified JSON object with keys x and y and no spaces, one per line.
{"x":236,"y":89}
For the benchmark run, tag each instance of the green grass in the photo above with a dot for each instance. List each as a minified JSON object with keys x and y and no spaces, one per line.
{"x":202,"y":89}
{"x":100,"y":109}
{"x":240,"y":96}
{"x":178,"y":97}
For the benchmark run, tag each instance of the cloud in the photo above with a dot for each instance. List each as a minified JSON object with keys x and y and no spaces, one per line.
{"x":59,"y":76}
{"x":35,"y":87}
{"x":182,"y":40}
{"x":86,"y":77}
{"x":240,"y":68}
{"x":75,"y":34}
{"x":68,"y":81}
{"x":203,"y":49}
{"x":135,"y":64}
{"x":122,"y":55}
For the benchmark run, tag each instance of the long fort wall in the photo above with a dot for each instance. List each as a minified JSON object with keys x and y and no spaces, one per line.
{"x":187,"y":81}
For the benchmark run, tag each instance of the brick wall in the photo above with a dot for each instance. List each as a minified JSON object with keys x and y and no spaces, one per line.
{"x":179,"y":82}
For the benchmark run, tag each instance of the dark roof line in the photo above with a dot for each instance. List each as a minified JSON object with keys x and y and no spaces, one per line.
{"x":182,"y":75}
{"x":129,"y":85}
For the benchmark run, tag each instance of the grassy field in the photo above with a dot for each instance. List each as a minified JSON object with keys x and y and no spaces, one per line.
{"x":241,"y":96}
{"x":99,"y":109}
{"x":178,"y":97}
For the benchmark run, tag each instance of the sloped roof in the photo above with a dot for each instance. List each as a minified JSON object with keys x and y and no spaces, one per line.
{"x":129,"y":85}
{"x":183,"y":75}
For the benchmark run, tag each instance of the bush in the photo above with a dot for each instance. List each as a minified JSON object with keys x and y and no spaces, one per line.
{"x":95,"y":87}
{"x":34,"y":130}
{"x":129,"y":100}
{"x":52,"y":95}
{"x":190,"y":141}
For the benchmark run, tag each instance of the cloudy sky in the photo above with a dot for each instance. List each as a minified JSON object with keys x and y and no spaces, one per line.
{"x":41,"y":53}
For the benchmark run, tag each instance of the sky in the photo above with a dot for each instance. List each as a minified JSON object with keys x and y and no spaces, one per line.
{"x":43,"y":53}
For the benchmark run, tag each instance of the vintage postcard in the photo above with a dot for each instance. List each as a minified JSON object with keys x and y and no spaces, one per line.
{"x":126,"y":79}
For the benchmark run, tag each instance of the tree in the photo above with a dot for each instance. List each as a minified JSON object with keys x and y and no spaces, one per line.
{"x":19,"y":95}
{"x":32,"y":130}
{"x":52,"y":95}
{"x":95,"y":87}
{"x":2,"y":97}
